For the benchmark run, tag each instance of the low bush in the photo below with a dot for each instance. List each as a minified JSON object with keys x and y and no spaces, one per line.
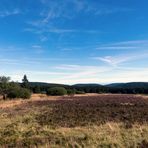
{"x":71,"y":92}
{"x":57,"y":91}
{"x":80,"y":92}
{"x":19,"y":93}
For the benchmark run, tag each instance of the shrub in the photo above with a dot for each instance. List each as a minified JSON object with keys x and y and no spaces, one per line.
{"x":80,"y":92}
{"x":36,"y":89}
{"x":71,"y":92}
{"x":19,"y":93}
{"x":57,"y":91}
{"x":25,"y":93}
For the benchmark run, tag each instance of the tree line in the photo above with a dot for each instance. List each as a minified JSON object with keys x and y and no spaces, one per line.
{"x":10,"y":89}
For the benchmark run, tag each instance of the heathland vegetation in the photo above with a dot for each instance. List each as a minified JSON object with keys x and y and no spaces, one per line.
{"x":76,"y":116}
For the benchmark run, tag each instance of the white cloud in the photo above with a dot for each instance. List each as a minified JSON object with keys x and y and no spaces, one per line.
{"x":137,"y":50}
{"x":127,"y":75}
{"x":36,"y":46}
{"x":68,"y":9}
{"x":131,"y":42}
{"x":80,"y":72}
{"x":105,"y":75}
{"x":125,"y":45}
{"x":107,"y":10}
{"x":15,"y":62}
{"x":71,"y":74}
{"x":80,"y":68}
{"x":43,"y":38}
{"x":38,"y":49}
{"x":54,"y":11}
{"x":82,"y":77}
{"x":119,"y":59}
{"x":66,"y":49}
{"x":114,"y":61}
{"x":61,"y":9}
{"x":117,"y":47}
{"x":8,"y":61}
{"x":57,"y":30}
{"x":6,"y":13}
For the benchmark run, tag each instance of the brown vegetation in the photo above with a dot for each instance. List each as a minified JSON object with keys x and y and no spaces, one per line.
{"x":77,"y":121}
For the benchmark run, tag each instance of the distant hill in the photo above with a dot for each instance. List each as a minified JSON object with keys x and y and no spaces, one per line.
{"x":114,"y":85}
{"x":129,"y":85}
{"x":86,"y":85}
{"x":125,"y":88}
{"x":135,"y":85}
{"x":42,"y":84}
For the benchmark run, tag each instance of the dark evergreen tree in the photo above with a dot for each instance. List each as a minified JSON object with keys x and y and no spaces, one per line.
{"x":25,"y":82}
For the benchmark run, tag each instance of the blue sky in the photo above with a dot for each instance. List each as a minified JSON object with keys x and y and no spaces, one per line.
{"x":74,"y":41}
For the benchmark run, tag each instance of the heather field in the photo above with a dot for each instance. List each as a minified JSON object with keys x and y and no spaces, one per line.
{"x":91,"y":121}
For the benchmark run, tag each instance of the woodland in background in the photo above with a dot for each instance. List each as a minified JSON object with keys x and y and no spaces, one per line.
{"x":10,"y":89}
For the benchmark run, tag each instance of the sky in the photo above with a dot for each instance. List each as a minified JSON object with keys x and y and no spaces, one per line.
{"x":74,"y":41}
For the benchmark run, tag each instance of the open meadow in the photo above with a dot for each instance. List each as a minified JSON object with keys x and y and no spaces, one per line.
{"x":103,"y":121}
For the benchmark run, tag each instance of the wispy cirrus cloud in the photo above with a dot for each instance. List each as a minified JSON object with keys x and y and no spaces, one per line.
{"x":134,"y":47}
{"x":112,"y":10}
{"x":68,"y":9}
{"x":43,"y":33}
{"x":54,"y":14}
{"x":6,"y":13}
{"x":117,"y":47}
{"x":77,"y":6}
{"x":72,"y":74}
{"x":99,"y":74}
{"x":61,"y":31}
{"x":120,"y":59}
{"x":77,"y":71}
{"x":80,"y":73}
{"x":125,"y":45}
{"x":39,"y":49}
{"x":114,"y":61}
{"x":131,"y":42}
{"x":53,"y":11}
{"x":12,"y":61}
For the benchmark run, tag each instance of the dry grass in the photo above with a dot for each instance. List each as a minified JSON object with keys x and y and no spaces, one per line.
{"x":81,"y":121}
